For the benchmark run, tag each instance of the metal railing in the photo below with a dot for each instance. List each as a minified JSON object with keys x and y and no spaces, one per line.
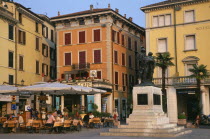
{"x":81,"y":66}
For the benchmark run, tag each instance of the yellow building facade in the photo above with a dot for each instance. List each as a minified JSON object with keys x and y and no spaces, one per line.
{"x":180,"y":28}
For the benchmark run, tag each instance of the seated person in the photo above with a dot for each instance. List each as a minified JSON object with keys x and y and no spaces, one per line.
{"x":91,"y":116}
{"x":86,"y":119}
{"x":20,"y":120}
{"x":50,"y":122}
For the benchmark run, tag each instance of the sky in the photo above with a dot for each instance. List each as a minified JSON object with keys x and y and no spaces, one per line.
{"x":51,"y":7}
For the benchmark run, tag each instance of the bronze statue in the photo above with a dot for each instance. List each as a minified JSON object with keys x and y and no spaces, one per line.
{"x":146,"y":66}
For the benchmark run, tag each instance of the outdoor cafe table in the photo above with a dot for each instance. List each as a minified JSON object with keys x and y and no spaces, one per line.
{"x":58,"y":124}
{"x":109,"y":122}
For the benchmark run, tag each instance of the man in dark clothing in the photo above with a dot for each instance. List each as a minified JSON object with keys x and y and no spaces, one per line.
{"x":86,"y":119}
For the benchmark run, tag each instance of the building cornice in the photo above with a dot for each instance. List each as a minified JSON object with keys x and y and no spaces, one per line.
{"x":6,"y":15}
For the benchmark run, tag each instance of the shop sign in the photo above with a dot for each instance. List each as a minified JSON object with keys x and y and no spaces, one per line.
{"x":5,"y":98}
{"x":13,"y":107}
{"x":85,"y":84}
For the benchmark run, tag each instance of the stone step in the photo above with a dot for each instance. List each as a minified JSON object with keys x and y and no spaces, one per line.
{"x":148,"y":126}
{"x":146,"y":134}
{"x":150,"y":130}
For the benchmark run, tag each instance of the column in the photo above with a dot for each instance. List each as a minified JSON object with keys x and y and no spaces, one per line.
{"x":83,"y":103}
{"x":97,"y":101}
{"x":62,"y":103}
{"x":109,"y":104}
{"x":172,"y":105}
{"x":203,"y":100}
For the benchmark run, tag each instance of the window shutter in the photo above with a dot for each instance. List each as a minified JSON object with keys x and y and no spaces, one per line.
{"x":116,"y":77}
{"x":19,"y":36}
{"x":189,"y":16}
{"x":155,"y":21}
{"x":129,"y":43}
{"x":52,"y":35}
{"x":11,"y":32}
{"x":46,"y":47}
{"x":113,"y":35}
{"x":97,"y":34}
{"x":97,"y":56}
{"x":11,"y":59}
{"x":82,"y":37}
{"x":67,"y":59}
{"x":126,"y":80}
{"x":123,"y":40}
{"x":24,"y":37}
{"x":82,"y":59}
{"x":37,"y":67}
{"x":47,"y":70}
{"x":167,"y":19}
{"x":123,"y":59}
{"x":162,"y":45}
{"x":21,"y":62}
{"x":123,"y":79}
{"x":46,"y":32}
{"x":190,"y":42}
{"x":161,"y":20}
{"x":37,"y":43}
{"x":130,"y":62}
{"x":135,"y":46}
{"x":118,"y":37}
{"x":115,"y":57}
{"x":67,"y":38}
{"x":99,"y":74}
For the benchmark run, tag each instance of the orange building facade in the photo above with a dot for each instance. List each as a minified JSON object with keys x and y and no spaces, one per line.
{"x":98,"y":48}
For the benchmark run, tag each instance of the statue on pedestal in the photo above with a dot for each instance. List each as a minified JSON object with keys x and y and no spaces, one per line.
{"x":146,"y":66}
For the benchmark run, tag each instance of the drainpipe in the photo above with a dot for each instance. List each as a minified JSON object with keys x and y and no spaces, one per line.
{"x":112,"y":66}
{"x":16,"y":27}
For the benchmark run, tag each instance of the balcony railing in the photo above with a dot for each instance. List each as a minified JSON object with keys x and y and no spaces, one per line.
{"x":179,"y":81}
{"x":81,"y":66}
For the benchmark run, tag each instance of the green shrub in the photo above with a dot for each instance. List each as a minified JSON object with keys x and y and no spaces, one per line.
{"x":182,"y":116}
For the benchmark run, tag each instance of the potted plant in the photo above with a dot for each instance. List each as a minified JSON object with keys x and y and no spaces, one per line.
{"x":182,"y":119}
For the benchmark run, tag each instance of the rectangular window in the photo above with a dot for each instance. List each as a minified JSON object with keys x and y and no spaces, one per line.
{"x":21,"y":37}
{"x":167,"y":20}
{"x":161,"y":20}
{"x":82,"y":22}
{"x":20,"y":18}
{"x":189,"y":16}
{"x":37,"y":27}
{"x":11,"y":32}
{"x":11,"y":79}
{"x":129,"y":43}
{"x":135,"y":45}
{"x":97,"y":56}
{"x":155,"y":21}
{"x":123,"y":40}
{"x":11,"y":56}
{"x":115,"y":57}
{"x":44,"y":69}
{"x":123,"y":59}
{"x":52,"y":36}
{"x":82,"y":59}
{"x":189,"y":66}
{"x":37,"y":67}
{"x":190,"y":42}
{"x":123,"y":79}
{"x":130,"y":62}
{"x":96,"y":20}
{"x":97,"y":35}
{"x":99,"y":75}
{"x":20,"y":62}
{"x":82,"y":37}
{"x":114,"y":39}
{"x":118,"y":37}
{"x":162,"y":45}
{"x":67,"y":59}
{"x":52,"y":54}
{"x":67,"y":38}
{"x":44,"y":50}
{"x":116,"y":77}
{"x":45,"y":31}
{"x":37,"y":43}
{"x":126,"y":79}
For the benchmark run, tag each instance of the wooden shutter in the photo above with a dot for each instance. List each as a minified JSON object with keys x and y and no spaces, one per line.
{"x":167,"y":19}
{"x":126,"y":80}
{"x":130,"y":62}
{"x":162,"y":45}
{"x":155,"y":21}
{"x":37,"y":67}
{"x":46,"y":32}
{"x":97,"y":35}
{"x":47,"y":70}
{"x":189,"y":16}
{"x":82,"y":59}
{"x":19,"y":36}
{"x":67,"y":58}
{"x":116,"y":77}
{"x":46,"y":49}
{"x":123,"y":79}
{"x":113,"y":35}
{"x":123,"y":40}
{"x":115,"y":57}
{"x":118,"y":37}
{"x":67,"y":38}
{"x":97,"y":56}
{"x":24,"y":37}
{"x":190,"y":42}
{"x":99,"y":74}
{"x":21,"y":62}
{"x":129,"y":42}
{"x":82,"y":37}
{"x":52,"y":35}
{"x":11,"y":32}
{"x":123,"y":59}
{"x":10,"y":59}
{"x":161,"y":20}
{"x":135,"y":44}
{"x":37,"y":43}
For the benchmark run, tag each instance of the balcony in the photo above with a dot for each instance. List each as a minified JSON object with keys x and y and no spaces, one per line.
{"x":81,"y":66}
{"x":182,"y":81}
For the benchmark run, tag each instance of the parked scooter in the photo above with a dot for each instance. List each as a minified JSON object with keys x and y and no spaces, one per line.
{"x":205,"y":119}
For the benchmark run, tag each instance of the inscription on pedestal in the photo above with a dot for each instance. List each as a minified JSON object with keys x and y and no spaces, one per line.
{"x":142,"y":99}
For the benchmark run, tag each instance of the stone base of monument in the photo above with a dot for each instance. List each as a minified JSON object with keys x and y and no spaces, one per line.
{"x":148,"y":118}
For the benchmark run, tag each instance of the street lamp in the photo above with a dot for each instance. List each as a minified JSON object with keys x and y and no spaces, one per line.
{"x":22,"y":82}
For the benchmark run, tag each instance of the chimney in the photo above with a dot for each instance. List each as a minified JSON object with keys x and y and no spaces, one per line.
{"x":109,"y":6}
{"x":125,"y":15}
{"x":91,"y":7}
{"x":130,"y":18}
{"x":116,"y":10}
{"x":59,"y":13}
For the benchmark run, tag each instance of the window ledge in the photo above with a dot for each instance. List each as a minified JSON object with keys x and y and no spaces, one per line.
{"x":98,"y":63}
{"x":67,"y":65}
{"x":81,"y":43}
{"x":190,"y":50}
{"x":96,"y":41}
{"x":21,"y":43}
{"x":37,"y":50}
{"x":116,"y":64}
{"x":37,"y":74}
{"x":67,"y":45}
{"x":22,"y":70}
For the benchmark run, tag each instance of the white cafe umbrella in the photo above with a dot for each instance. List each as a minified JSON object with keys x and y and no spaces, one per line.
{"x":7,"y":89}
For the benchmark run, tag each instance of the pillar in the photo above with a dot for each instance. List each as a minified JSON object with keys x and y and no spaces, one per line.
{"x":62,"y":103}
{"x":110,"y":104}
{"x":82,"y":103}
{"x":205,"y":100}
{"x":172,"y":105}
{"x":97,"y":101}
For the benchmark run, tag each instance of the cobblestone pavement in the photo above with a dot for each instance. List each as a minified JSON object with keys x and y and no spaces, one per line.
{"x":199,"y":133}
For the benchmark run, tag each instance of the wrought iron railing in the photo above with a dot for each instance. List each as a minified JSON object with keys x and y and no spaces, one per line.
{"x":81,"y":66}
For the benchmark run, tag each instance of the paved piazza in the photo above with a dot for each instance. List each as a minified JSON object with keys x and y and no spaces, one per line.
{"x":198,"y":133}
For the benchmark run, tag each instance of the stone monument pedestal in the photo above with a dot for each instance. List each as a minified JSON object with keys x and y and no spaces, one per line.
{"x":147,"y":118}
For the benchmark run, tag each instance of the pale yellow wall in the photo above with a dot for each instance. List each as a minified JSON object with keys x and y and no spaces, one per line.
{"x":201,"y":30}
